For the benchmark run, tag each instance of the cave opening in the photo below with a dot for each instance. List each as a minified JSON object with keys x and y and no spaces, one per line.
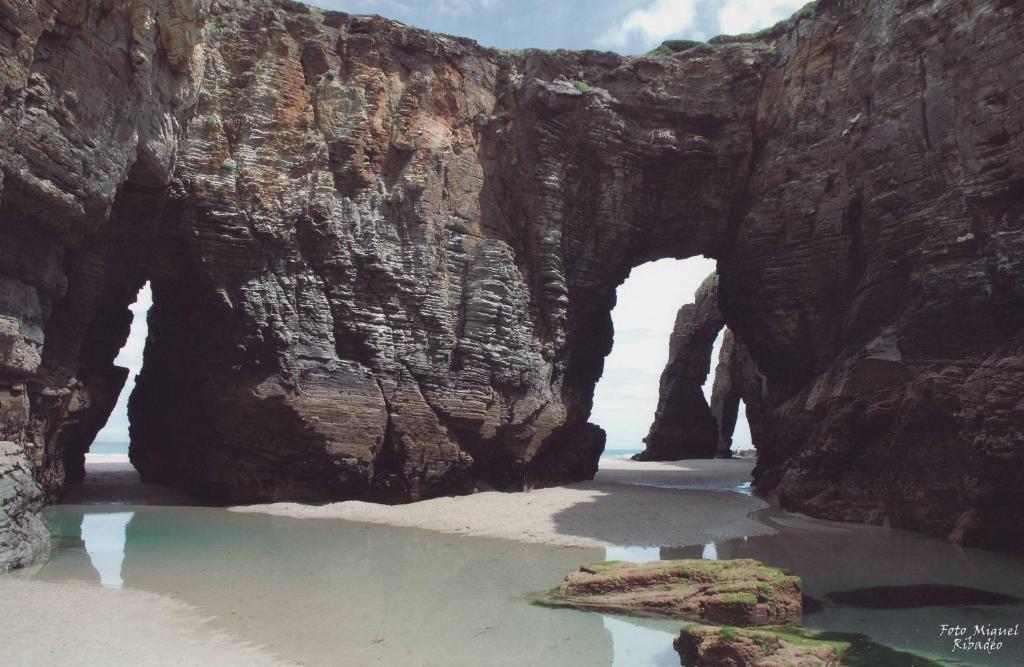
{"x":108,"y":474}
{"x":111,"y":443}
{"x":671,"y":375}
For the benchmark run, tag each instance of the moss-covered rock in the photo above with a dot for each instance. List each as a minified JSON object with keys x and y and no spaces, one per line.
{"x":710,"y":646}
{"x":739,"y":592}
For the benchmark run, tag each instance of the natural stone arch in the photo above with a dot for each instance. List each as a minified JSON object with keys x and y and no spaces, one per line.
{"x":383,"y":261}
{"x":684,"y":426}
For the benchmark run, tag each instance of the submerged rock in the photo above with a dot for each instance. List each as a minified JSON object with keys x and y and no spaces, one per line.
{"x":735,"y":592}
{"x":709,"y":646}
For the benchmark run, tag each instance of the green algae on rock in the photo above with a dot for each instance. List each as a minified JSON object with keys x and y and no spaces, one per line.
{"x":777,"y":646}
{"x":710,"y":646}
{"x":737,"y":592}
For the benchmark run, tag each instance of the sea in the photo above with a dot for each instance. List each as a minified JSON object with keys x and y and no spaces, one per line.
{"x":619,"y":453}
{"x":109,"y":448}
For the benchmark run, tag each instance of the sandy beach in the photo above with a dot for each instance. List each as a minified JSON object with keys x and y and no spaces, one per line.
{"x":628,"y":503}
{"x":110,"y":627}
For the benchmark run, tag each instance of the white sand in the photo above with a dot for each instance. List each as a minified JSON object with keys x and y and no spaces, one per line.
{"x":105,"y":458}
{"x":45,"y":624}
{"x":626,"y":504}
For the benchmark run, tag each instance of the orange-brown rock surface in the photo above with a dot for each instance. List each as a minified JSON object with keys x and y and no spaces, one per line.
{"x":383,"y":260}
{"x":709,"y":646}
{"x":740,"y":592}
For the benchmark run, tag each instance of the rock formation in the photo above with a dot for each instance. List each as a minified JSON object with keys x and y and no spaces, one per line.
{"x":383,"y":260}
{"x":736,"y":379}
{"x":684,"y":427}
{"x":876,"y":273}
{"x":24,"y":536}
{"x":740,"y":592}
{"x":710,"y":646}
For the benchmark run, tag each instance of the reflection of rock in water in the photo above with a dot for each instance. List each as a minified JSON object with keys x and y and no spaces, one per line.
{"x":68,"y":558}
{"x":104,"y":535}
{"x":312,"y":589}
{"x":635,"y":644}
{"x":830,"y":557}
{"x":919,"y":595}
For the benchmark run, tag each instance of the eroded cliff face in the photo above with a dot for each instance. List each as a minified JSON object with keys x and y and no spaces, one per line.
{"x":383,"y":260}
{"x":876,"y":274}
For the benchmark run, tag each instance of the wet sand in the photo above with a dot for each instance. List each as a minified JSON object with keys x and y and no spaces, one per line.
{"x":628,"y":503}
{"x":205,"y":585}
{"x":44,"y":623}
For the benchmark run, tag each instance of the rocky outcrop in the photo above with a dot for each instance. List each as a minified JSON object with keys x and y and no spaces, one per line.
{"x":736,"y":379}
{"x":735,"y":592}
{"x":24,"y":536}
{"x":876,"y":272}
{"x":709,"y":646}
{"x":684,"y":427}
{"x":375,"y":271}
{"x":383,"y":260}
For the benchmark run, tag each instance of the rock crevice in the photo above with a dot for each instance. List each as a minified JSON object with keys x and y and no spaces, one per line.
{"x":383,"y":261}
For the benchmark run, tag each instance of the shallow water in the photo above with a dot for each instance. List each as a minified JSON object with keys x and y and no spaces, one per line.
{"x":324,"y":592}
{"x":336,"y":592}
{"x":837,"y":557}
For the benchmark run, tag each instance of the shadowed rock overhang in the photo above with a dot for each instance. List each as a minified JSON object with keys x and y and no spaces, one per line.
{"x":383,"y":260}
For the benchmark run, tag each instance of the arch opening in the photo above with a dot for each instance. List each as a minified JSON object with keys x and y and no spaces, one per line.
{"x":111,"y":443}
{"x":643,"y":318}
{"x":677,"y":383}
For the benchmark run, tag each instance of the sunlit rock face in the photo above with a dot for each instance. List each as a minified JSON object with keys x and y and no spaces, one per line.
{"x":383,"y":260}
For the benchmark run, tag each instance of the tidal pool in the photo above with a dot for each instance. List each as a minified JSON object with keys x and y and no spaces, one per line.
{"x":325,"y":592}
{"x":334,"y":592}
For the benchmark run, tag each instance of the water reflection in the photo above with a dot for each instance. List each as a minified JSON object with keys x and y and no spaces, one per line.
{"x":633,"y":554}
{"x":835,"y":557}
{"x":104,"y":536}
{"x":313,"y":590}
{"x":635,"y":644}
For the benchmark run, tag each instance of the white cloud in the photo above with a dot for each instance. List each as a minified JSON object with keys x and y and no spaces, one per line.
{"x":738,"y":16}
{"x":652,"y":24}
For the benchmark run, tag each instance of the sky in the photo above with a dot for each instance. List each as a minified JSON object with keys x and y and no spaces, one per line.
{"x":627,"y":396}
{"x":624,"y":26}
{"x":130,"y":357}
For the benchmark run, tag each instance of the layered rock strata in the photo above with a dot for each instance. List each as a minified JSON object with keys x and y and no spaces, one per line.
{"x":876,"y":273}
{"x":684,"y":427}
{"x":24,"y":536}
{"x":736,"y":379}
{"x":383,"y":260}
{"x":710,"y":646}
{"x":741,"y":592}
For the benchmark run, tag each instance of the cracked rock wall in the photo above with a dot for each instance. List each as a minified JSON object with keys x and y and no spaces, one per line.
{"x":383,"y":260}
